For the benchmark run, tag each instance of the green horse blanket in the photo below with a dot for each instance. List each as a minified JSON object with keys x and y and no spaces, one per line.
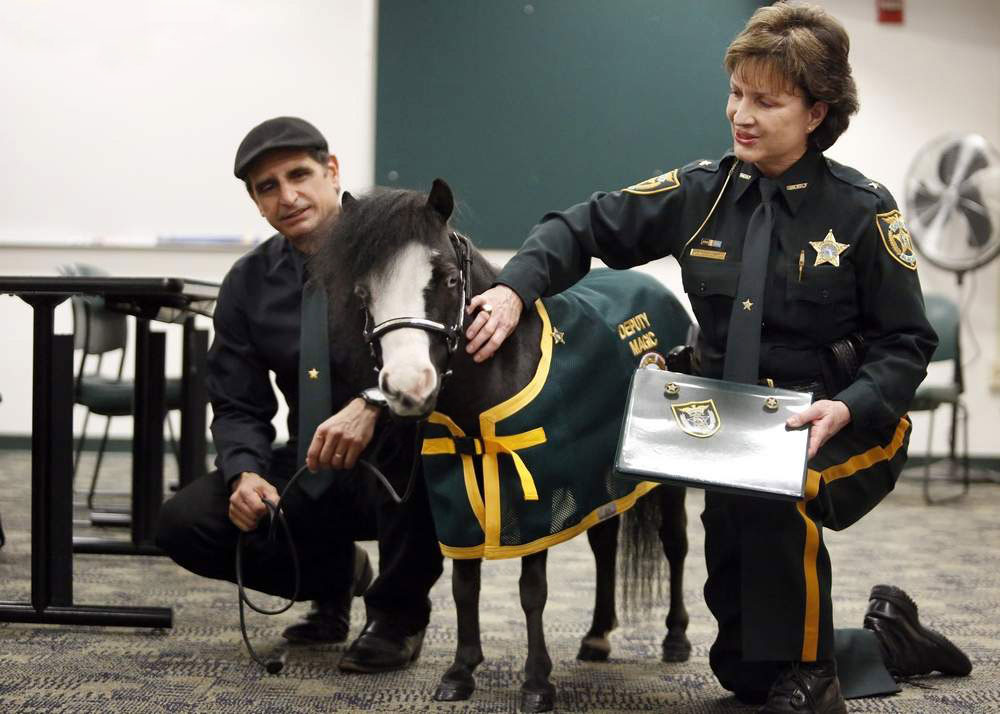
{"x":539,"y":470}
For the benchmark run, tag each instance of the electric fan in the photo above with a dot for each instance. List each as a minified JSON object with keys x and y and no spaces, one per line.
{"x":952,"y":192}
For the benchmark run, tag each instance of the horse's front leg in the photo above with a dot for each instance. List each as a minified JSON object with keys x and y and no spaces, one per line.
{"x":537,"y":693}
{"x":457,"y":684}
{"x":603,"y":539}
{"x":673,"y":536}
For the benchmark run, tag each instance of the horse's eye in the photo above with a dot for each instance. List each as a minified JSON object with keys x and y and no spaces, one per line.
{"x":452,"y":281}
{"x":361,"y":291}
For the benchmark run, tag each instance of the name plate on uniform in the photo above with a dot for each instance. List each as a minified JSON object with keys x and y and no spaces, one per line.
{"x":711,"y":434}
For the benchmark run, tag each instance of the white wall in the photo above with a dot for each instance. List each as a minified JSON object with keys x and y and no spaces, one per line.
{"x":121,"y":118}
{"x":938,"y":72}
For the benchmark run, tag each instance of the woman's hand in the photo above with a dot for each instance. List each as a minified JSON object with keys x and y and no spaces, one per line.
{"x":499,"y":312}
{"x":827,"y":418}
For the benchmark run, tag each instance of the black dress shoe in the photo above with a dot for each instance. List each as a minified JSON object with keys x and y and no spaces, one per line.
{"x":806,"y":687}
{"x":382,"y":647}
{"x":329,"y":620}
{"x":909,"y":648}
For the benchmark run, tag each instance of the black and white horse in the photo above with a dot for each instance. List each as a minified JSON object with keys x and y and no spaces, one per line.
{"x":395,"y":255}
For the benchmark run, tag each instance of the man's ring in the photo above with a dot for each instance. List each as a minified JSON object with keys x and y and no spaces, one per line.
{"x":487,"y":308}
{"x":338,"y":456}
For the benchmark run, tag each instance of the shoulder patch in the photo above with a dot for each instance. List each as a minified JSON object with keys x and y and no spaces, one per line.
{"x":657,"y":184}
{"x":896,"y":238}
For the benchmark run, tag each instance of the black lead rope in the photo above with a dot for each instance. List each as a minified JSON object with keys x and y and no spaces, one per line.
{"x":374,"y":470}
{"x":277,"y":515}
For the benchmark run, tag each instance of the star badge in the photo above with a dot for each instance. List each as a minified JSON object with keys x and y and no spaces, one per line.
{"x":558,"y":336}
{"x":313,"y":373}
{"x":828,"y":250}
{"x":748,"y":304}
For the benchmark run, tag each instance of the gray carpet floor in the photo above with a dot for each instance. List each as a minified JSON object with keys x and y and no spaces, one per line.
{"x":944,"y":556}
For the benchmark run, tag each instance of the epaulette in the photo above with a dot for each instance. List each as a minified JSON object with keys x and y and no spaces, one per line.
{"x":702,"y":165}
{"x":857,"y":179}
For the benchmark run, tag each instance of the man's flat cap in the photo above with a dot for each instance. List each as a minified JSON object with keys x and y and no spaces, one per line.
{"x":277,"y":133}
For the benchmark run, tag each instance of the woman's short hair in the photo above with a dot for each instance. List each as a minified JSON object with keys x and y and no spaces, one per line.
{"x":802,"y":45}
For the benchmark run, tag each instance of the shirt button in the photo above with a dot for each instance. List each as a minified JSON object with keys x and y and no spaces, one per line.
{"x":825,"y":293}
{"x":701,"y":286}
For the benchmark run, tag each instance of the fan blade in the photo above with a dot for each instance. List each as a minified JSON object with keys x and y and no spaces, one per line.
{"x":960,"y":158}
{"x":924,"y":202}
{"x":970,"y":204}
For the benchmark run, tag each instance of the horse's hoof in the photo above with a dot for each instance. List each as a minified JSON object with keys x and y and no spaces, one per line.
{"x":454,"y":691}
{"x":593,"y":649}
{"x":538,"y":701}
{"x":677,"y":649}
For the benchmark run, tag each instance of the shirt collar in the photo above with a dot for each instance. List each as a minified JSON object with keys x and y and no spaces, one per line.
{"x":794,"y":184}
{"x":288,"y":255}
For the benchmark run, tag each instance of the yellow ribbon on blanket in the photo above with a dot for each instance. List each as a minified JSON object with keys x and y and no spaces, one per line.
{"x":497,"y":445}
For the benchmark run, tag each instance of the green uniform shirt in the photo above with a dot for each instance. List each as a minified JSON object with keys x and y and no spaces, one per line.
{"x":841,"y":263}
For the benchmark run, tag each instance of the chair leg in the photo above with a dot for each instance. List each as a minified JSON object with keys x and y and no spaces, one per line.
{"x":79,"y":445}
{"x":961,"y":414}
{"x":927,"y":462}
{"x":173,"y":440}
{"x":97,"y":466}
{"x":966,"y":482}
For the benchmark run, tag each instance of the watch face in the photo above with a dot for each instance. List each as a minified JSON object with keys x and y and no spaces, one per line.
{"x":373,"y":396}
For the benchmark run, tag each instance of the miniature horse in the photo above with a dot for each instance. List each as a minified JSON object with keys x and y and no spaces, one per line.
{"x":412,"y":276}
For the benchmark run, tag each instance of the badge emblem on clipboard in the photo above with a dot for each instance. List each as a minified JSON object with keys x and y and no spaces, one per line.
{"x":699,"y":419}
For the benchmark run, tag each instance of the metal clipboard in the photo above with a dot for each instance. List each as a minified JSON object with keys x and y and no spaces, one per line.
{"x":712,"y":434}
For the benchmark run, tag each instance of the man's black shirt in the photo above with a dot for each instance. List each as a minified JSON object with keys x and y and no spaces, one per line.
{"x":257,"y":320}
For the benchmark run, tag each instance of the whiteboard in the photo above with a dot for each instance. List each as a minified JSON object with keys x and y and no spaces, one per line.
{"x":122,"y":117}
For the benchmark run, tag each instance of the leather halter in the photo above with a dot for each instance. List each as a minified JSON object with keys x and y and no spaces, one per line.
{"x":452,"y":333}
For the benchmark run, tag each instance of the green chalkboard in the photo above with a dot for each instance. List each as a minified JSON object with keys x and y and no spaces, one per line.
{"x":527,"y":107}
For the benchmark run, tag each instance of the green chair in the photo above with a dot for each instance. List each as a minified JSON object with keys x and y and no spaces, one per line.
{"x":98,"y":331}
{"x":944,"y":317}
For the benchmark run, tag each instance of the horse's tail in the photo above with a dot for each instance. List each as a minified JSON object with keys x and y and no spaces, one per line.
{"x":640,"y":556}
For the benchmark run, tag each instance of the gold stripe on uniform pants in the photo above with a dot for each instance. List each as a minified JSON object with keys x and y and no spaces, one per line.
{"x":858,"y":462}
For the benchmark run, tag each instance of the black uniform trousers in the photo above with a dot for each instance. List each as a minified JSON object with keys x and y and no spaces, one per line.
{"x":195,"y":531}
{"x":769,"y":575}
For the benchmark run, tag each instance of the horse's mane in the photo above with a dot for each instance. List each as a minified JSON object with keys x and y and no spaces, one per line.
{"x":371,"y":229}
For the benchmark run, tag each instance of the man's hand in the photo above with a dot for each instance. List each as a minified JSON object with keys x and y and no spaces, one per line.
{"x":246,"y":505}
{"x":499,"y":312}
{"x":339,"y":441}
{"x":827,"y":418}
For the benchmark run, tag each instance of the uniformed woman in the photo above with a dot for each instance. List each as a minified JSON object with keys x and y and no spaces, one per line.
{"x":802,"y":274}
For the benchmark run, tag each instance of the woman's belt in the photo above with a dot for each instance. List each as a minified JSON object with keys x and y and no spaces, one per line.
{"x":817,"y":388}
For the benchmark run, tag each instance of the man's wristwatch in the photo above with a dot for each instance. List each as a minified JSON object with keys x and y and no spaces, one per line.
{"x":374,"y":396}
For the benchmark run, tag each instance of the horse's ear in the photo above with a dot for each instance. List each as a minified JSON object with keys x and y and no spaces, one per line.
{"x":347,"y":201}
{"x":441,"y":199}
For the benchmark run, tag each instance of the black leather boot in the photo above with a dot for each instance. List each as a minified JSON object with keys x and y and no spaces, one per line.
{"x":329,"y":620}
{"x":806,"y":688}
{"x":908,"y":648}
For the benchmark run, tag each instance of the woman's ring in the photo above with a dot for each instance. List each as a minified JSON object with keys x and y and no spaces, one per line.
{"x":487,"y":308}
{"x":338,"y":456}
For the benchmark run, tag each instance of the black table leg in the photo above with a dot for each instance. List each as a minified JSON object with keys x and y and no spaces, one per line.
{"x":194,"y":398}
{"x":52,"y":491}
